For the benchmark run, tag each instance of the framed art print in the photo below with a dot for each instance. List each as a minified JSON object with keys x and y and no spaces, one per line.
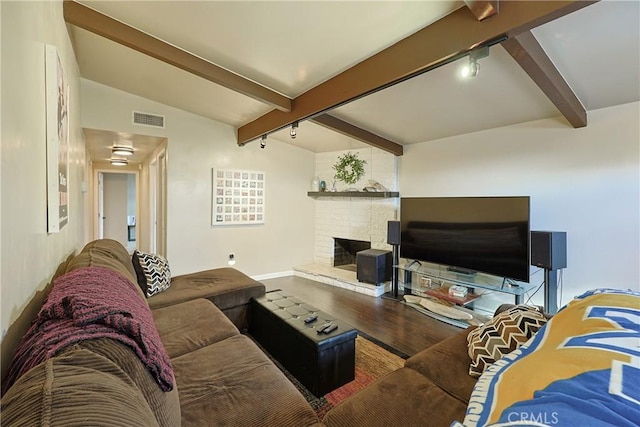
{"x":238,"y":197}
{"x":57,"y":111}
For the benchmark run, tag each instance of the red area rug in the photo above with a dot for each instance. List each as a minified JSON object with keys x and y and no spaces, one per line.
{"x":372,"y":362}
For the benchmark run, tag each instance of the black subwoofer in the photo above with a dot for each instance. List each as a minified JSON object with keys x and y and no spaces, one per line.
{"x":373,"y":266}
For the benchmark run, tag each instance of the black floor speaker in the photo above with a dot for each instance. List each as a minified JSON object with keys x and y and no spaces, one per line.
{"x":549,"y":249}
{"x":393,"y":232}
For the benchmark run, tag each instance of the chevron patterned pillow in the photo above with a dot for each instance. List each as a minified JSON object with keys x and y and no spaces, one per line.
{"x":506,"y":332}
{"x":152,"y":272}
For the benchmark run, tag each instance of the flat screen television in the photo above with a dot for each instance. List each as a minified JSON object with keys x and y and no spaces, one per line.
{"x":474,"y":234}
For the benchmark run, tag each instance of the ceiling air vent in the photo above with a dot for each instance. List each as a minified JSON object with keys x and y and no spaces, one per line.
{"x":147,"y":119}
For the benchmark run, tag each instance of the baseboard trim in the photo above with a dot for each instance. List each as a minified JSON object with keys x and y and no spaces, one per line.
{"x":272,"y":275}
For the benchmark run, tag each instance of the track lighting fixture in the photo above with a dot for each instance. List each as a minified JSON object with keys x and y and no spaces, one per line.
{"x":472,"y":68}
{"x":119,"y":162}
{"x":122,"y":151}
{"x":263,"y":142}
{"x":294,"y":130}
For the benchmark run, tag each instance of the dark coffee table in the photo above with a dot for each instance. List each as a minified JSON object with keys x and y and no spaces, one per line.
{"x":321,"y":362}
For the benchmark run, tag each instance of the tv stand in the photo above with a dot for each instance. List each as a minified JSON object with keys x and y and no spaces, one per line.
{"x":441,"y":275}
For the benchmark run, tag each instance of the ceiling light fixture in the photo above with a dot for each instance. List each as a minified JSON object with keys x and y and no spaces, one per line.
{"x":263,"y":142}
{"x":294,"y":130}
{"x":472,"y":68}
{"x":119,"y":162}
{"x":122,"y":151}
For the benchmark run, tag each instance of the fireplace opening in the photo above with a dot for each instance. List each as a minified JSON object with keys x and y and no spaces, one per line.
{"x":345,"y":250}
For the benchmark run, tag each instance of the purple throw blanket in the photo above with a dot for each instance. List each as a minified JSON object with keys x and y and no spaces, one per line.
{"x":91,"y":303}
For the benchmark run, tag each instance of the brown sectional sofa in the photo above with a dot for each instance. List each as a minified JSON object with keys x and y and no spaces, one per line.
{"x":432,"y":389}
{"x":221,"y":376}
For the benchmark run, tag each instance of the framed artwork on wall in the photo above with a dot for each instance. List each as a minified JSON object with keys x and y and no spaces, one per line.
{"x":57,"y":125}
{"x":238,"y":197}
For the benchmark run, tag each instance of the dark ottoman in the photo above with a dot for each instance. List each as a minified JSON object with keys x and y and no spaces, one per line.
{"x":321,"y":362}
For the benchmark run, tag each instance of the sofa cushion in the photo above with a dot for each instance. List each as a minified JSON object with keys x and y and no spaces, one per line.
{"x":164,"y":405}
{"x":247,"y":388}
{"x":402,"y":398}
{"x":79,"y":388}
{"x":446,"y":364}
{"x":503,"y":334}
{"x":152,"y":272}
{"x":191,"y":325}
{"x":225,"y":287}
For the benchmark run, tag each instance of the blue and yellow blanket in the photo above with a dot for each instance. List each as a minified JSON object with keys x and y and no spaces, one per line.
{"x":581,"y":369}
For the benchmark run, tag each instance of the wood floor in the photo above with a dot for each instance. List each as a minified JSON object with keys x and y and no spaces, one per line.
{"x":389,"y":321}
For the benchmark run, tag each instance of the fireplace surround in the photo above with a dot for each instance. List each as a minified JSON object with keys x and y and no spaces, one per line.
{"x":360,"y":218}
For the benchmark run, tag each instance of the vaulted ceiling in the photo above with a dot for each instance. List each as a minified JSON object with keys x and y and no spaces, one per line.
{"x":381,"y":72}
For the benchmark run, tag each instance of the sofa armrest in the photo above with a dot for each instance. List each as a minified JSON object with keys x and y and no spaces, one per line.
{"x":446,"y":364}
{"x":229,"y":289}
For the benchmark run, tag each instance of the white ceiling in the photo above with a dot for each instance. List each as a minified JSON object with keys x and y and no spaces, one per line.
{"x":292,"y":47}
{"x":102,"y":141}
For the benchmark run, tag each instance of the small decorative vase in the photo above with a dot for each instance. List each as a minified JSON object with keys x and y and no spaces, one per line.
{"x":315,"y":184}
{"x":323,"y":186}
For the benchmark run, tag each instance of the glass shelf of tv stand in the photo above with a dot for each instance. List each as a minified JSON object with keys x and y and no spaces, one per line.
{"x":442,"y":274}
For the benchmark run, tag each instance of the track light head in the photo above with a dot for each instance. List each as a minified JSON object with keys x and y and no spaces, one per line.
{"x":263,"y":141}
{"x":294,"y":130}
{"x":471,"y":69}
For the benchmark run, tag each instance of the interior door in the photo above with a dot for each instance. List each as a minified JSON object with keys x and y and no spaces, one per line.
{"x":116,"y":207}
{"x":162,"y":205}
{"x":100,"y":205}
{"x":153,"y":205}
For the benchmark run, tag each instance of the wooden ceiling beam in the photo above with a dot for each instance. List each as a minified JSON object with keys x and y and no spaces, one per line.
{"x":107,"y":27}
{"x":528,"y":53}
{"x":439,"y":43}
{"x":340,"y":126}
{"x":482,"y":9}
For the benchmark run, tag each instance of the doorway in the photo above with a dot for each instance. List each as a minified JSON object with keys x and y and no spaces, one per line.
{"x":117,"y":207}
{"x":140,"y":222}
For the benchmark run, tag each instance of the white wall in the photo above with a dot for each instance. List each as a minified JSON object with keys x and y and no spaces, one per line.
{"x":195,"y":145}
{"x":30,"y":256}
{"x":583,"y":181}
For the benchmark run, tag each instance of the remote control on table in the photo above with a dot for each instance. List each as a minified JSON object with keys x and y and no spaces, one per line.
{"x":324,"y":326}
{"x":311,"y":318}
{"x":330,"y":328}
